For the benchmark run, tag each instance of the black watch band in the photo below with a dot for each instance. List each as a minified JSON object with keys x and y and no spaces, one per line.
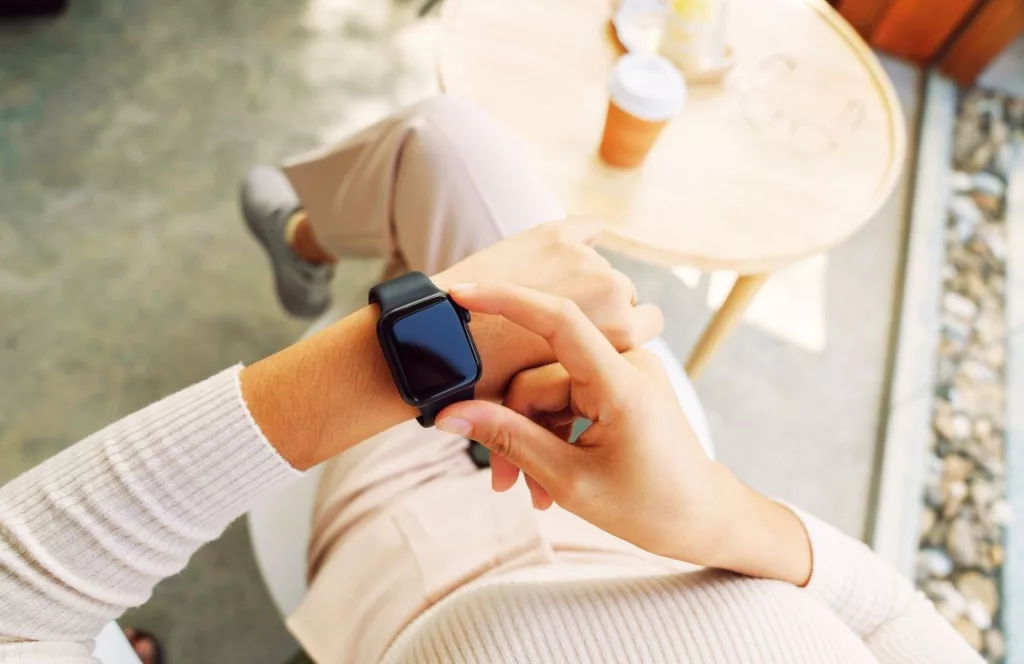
{"x":399,"y":292}
{"x":429,"y":412}
{"x":402,"y":290}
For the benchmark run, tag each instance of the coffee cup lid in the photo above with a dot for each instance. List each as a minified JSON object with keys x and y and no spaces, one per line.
{"x":647,"y":86}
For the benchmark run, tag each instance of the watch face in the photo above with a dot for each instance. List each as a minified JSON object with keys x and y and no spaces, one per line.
{"x":434,"y":351}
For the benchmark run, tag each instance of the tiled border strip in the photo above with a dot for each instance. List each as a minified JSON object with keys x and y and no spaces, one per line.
{"x":894,"y":529}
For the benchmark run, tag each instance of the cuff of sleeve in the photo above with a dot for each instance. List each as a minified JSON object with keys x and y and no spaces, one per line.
{"x":219,"y":449}
{"x":860,"y":588}
{"x":89,"y":532}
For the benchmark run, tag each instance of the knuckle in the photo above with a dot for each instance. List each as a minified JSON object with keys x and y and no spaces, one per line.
{"x":620,"y":337}
{"x":567,"y":311}
{"x":580,"y":254}
{"x":621,"y":288}
{"x":597,"y":258}
{"x":646,"y":361}
{"x":501,"y":443}
{"x":636,"y":336}
{"x":515,"y":395}
{"x":607,"y":280}
{"x":626,"y":288}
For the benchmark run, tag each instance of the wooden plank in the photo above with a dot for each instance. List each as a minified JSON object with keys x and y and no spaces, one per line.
{"x":995,"y":26}
{"x":917,"y":29}
{"x":863,"y":14}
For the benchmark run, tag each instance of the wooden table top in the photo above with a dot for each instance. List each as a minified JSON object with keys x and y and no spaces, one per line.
{"x":791,"y":153}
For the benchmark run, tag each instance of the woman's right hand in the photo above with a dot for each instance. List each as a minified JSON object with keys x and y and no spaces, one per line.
{"x":639,"y":471}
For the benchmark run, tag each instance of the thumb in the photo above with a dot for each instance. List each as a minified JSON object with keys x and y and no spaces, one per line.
{"x":539,"y":453}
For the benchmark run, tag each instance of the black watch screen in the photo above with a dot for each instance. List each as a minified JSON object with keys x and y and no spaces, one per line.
{"x":432,"y":348}
{"x":426,"y":341}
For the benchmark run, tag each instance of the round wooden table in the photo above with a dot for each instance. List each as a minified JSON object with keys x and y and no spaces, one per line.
{"x":794,"y":150}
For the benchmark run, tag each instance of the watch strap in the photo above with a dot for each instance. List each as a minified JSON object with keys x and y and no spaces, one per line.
{"x":398,"y":292}
{"x":429,"y":412}
{"x":402,"y":290}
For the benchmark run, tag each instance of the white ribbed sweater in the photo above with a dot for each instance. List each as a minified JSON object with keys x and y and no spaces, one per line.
{"x":88,"y":533}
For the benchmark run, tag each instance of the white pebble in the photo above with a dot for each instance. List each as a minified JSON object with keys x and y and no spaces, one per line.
{"x":967,"y":213}
{"x":935,"y":563}
{"x":962,"y":182}
{"x":1001,"y":513}
{"x":978,"y":615}
{"x":961,"y":426}
{"x":952,"y":606}
{"x":989,"y":184}
{"x":982,"y":492}
{"x":959,"y":306}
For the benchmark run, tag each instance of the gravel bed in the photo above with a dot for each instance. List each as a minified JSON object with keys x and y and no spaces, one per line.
{"x":965,"y":511}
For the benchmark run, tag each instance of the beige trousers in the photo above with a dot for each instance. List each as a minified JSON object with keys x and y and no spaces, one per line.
{"x":405,"y":518}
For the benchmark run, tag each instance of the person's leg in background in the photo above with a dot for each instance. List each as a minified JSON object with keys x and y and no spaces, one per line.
{"x":424,"y":188}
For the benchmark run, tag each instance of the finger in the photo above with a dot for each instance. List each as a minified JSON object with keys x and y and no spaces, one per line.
{"x":540,"y":498}
{"x":541,"y":390}
{"x":504,"y":474}
{"x":579,"y":229}
{"x":523,"y":443}
{"x":575,"y":341}
{"x":624,"y":285}
{"x":646,"y":323}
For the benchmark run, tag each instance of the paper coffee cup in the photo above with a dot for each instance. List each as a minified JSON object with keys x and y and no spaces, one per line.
{"x":644,"y":92}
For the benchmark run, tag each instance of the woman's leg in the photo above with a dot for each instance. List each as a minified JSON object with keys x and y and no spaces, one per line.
{"x":424,"y":188}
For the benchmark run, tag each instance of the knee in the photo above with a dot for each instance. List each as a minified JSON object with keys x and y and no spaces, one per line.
{"x":450,"y":111}
{"x":447,"y":126}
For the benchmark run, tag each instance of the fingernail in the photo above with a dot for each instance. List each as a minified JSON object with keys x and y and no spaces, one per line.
{"x":461,"y":287}
{"x":455,"y":425}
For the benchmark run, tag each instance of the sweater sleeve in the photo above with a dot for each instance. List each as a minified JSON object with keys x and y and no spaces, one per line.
{"x":898,"y":624}
{"x":90,"y":532}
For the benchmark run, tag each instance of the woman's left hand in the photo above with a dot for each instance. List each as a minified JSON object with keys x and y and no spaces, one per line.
{"x":555,"y":258}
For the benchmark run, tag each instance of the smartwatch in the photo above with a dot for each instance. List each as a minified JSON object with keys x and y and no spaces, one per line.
{"x":427,"y":344}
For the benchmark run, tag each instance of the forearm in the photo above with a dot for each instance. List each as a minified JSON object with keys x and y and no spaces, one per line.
{"x":88,"y":533}
{"x":324,"y":394}
{"x":333,"y":390}
{"x":758,"y":536}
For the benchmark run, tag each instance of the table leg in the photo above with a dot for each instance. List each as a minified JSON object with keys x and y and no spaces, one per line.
{"x":724,"y":320}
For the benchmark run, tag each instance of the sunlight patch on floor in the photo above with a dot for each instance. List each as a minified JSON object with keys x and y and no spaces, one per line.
{"x":368,"y":59}
{"x":790,"y":306}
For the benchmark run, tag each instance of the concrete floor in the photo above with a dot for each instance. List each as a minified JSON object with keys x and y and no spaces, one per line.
{"x":125,"y":273}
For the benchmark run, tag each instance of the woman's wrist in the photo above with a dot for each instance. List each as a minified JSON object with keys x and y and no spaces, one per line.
{"x":325,"y":393}
{"x":333,"y":390}
{"x":762,"y":538}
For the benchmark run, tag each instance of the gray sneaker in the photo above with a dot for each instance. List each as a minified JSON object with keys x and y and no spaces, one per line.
{"x":268,"y":202}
